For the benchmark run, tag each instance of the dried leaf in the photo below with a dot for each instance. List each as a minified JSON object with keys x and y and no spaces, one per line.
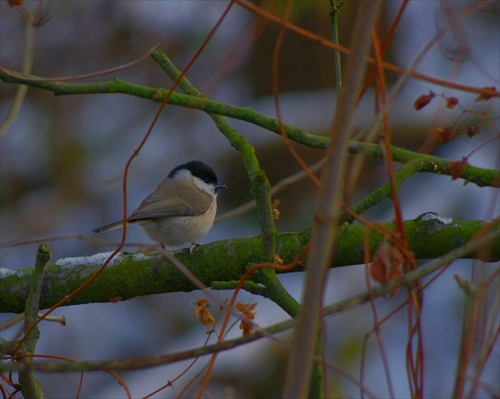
{"x":387,"y":264}
{"x":457,"y":168}
{"x":473,"y":130}
{"x":451,"y":102}
{"x":423,"y":100}
{"x":201,"y":311}
{"x":445,"y":134}
{"x":276,"y":212}
{"x":484,"y":97}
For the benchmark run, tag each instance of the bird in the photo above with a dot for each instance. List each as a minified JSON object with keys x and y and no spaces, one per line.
{"x":182,"y":208}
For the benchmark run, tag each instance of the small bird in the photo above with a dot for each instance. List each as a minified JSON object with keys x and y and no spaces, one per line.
{"x":181,"y":209}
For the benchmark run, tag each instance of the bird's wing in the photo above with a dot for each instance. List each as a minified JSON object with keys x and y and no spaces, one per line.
{"x":162,"y":204}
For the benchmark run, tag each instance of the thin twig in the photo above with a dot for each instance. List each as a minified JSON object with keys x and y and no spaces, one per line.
{"x":275,"y":190}
{"x":300,"y":361}
{"x":30,"y":385}
{"x":29,"y":52}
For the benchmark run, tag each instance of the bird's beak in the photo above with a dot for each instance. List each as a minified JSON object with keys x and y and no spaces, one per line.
{"x":219,"y":186}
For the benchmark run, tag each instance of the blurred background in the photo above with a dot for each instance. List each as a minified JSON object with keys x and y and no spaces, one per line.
{"x":62,"y":163}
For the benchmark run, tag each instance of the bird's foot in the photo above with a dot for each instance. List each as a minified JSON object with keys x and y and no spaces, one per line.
{"x":193,"y":246}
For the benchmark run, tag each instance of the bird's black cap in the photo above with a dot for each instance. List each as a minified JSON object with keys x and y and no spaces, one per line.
{"x":201,"y":170}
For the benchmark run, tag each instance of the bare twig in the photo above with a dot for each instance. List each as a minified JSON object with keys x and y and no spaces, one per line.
{"x":30,"y":386}
{"x":300,"y":362}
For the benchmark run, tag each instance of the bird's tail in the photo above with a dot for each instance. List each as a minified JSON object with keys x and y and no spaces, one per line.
{"x":110,"y":226}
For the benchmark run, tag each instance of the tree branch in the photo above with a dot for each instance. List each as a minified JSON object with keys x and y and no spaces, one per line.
{"x":427,"y":163}
{"x":137,"y":274}
{"x":340,"y":306}
{"x":30,"y":386}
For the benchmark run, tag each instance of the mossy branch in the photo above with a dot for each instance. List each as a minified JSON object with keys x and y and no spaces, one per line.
{"x":135,"y":274}
{"x":427,"y":163}
{"x":337,"y":307}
